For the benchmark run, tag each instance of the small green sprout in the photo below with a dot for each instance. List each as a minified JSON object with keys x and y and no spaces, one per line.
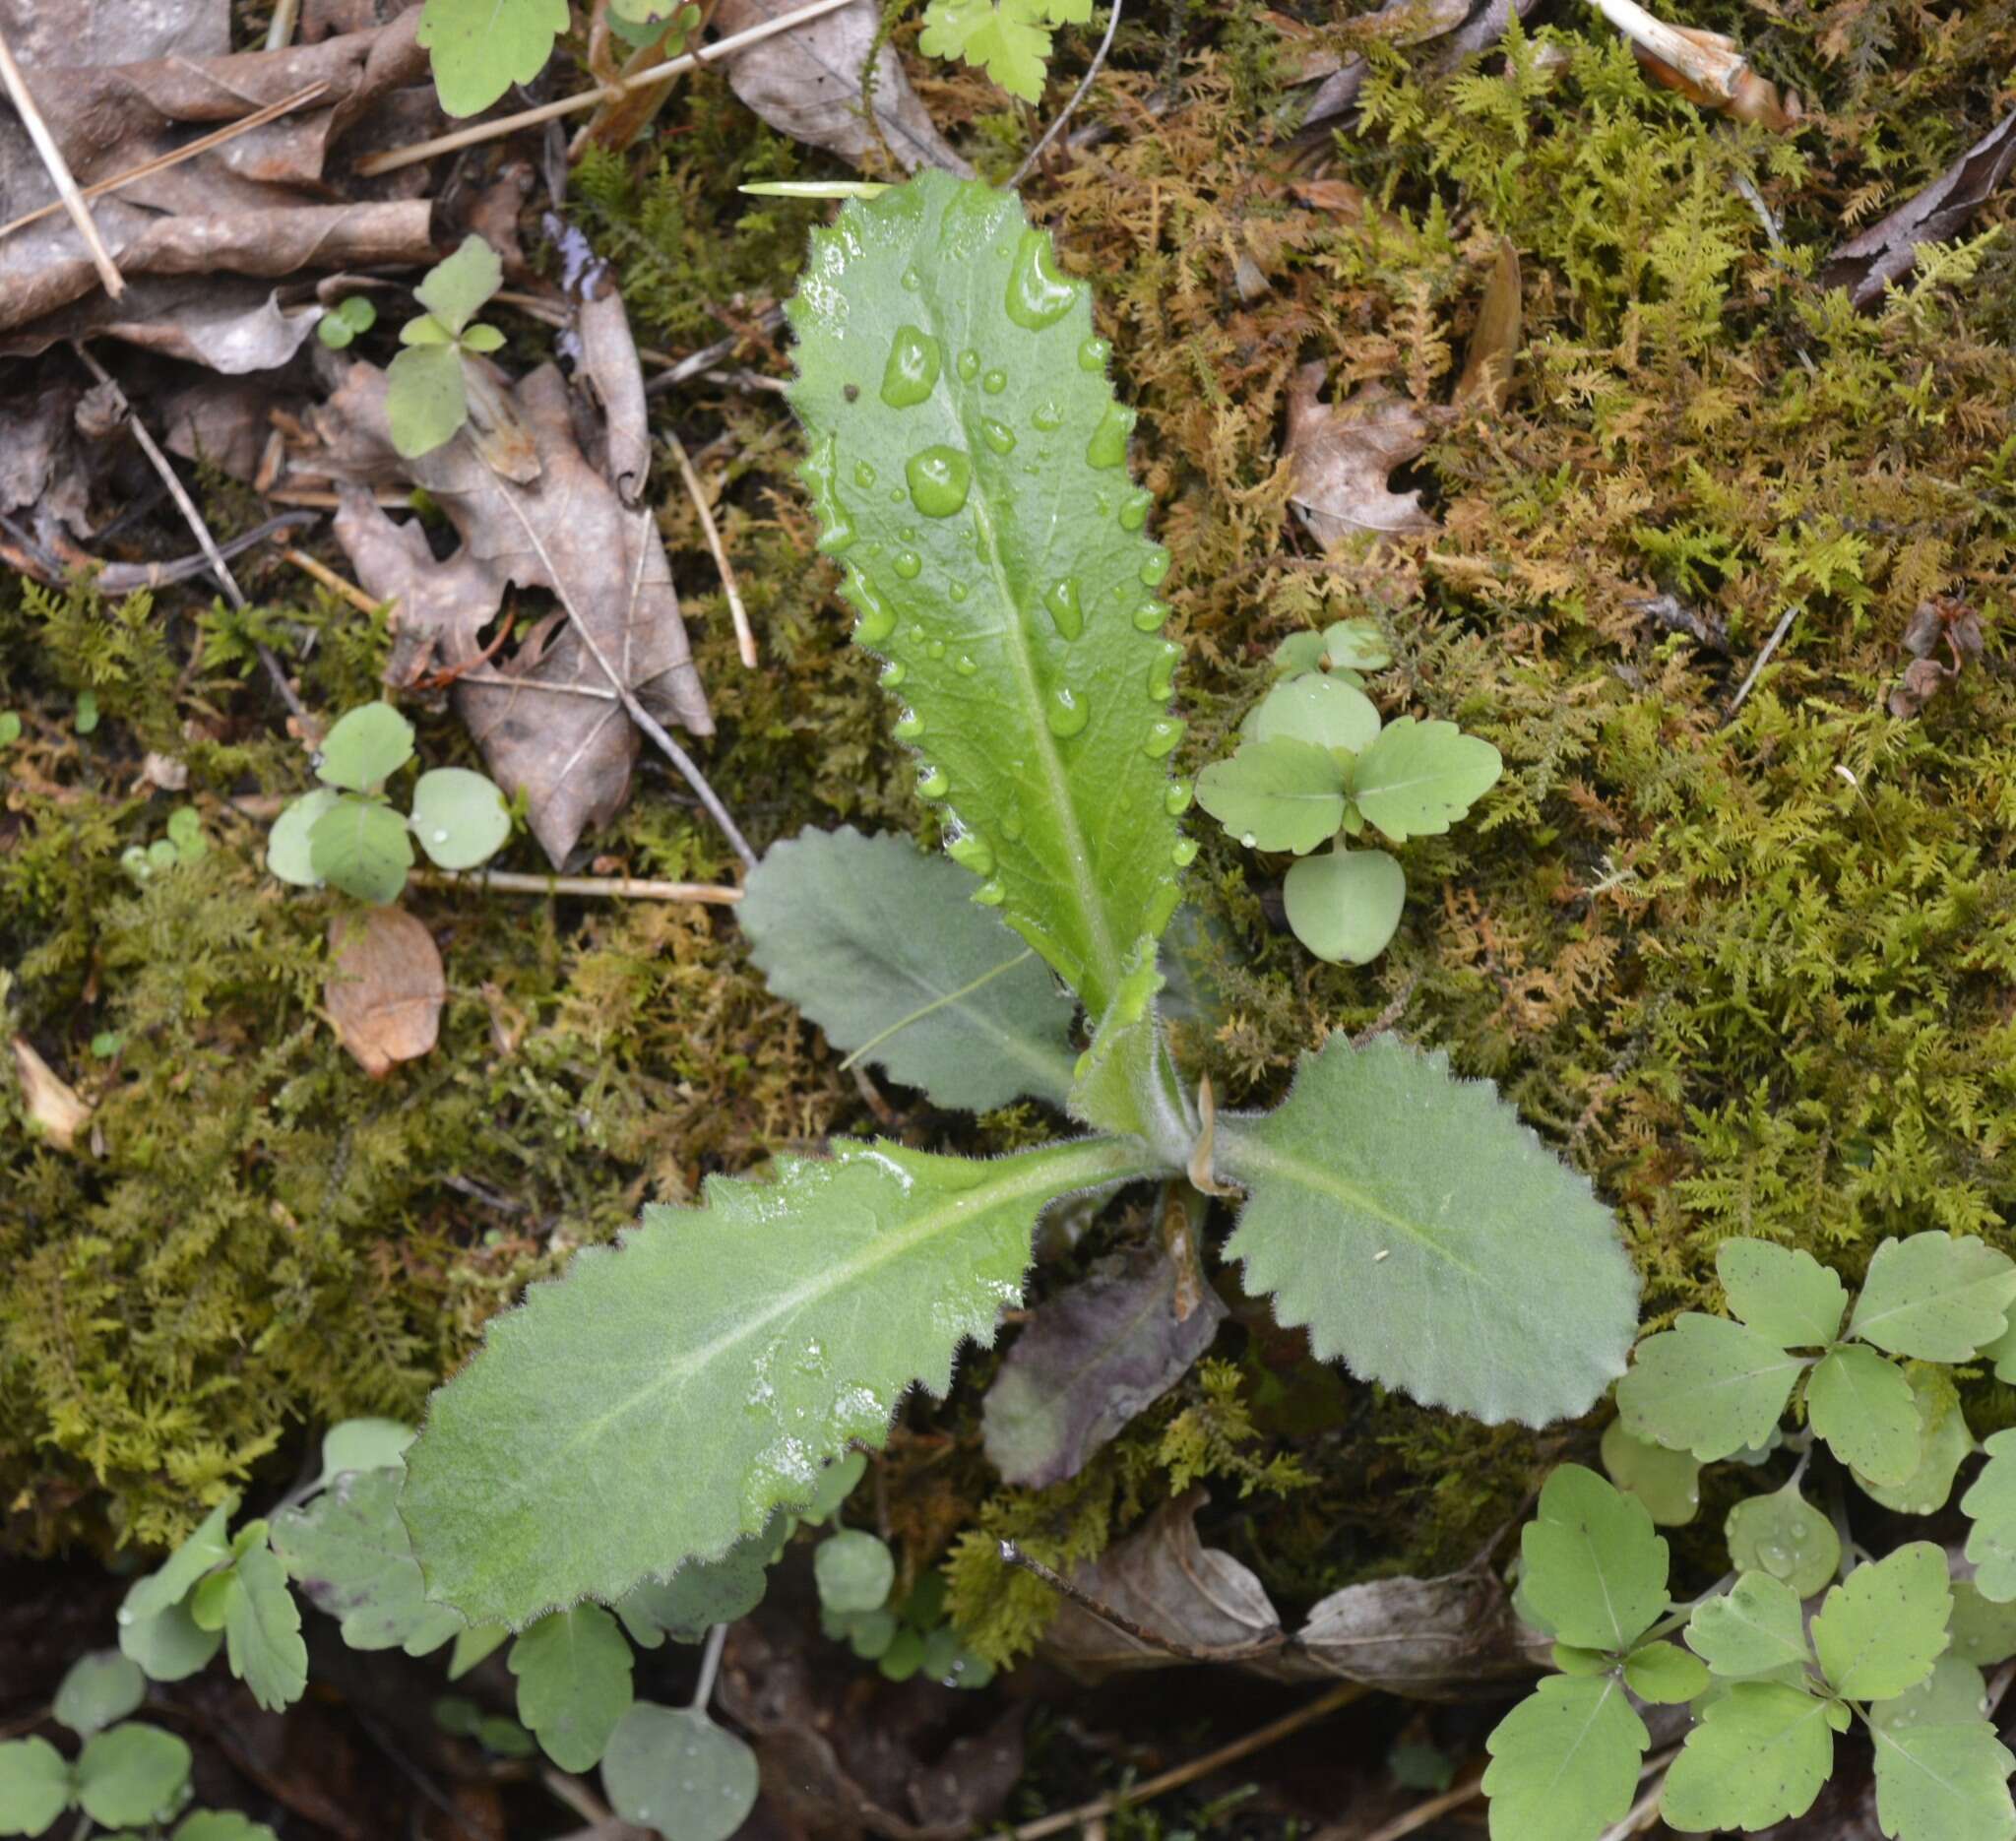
{"x":126,"y":1775}
{"x":345,"y":832}
{"x":1317,"y":765}
{"x":426,"y":398}
{"x":184,"y":843}
{"x":86,"y":712}
{"x":346,"y":322}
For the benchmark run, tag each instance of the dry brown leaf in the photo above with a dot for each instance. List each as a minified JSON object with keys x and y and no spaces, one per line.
{"x":1494,"y":342}
{"x":385,"y":987}
{"x":1463,"y":27}
{"x":1342,"y":455}
{"x":807,"y":83}
{"x":52,"y":1105}
{"x":1865,"y":264}
{"x":1166,"y":1582}
{"x":555,"y":732}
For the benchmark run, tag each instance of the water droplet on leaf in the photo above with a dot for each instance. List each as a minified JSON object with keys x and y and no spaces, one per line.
{"x":994,"y":382}
{"x":1065,"y":608}
{"x":939,"y":480}
{"x":1162,"y":734}
{"x":1046,"y":416}
{"x":907,"y":563}
{"x":1149,"y":616}
{"x":1109,"y":444}
{"x":910,"y":373}
{"x":1066,"y":712}
{"x":877,"y":617}
{"x":1184,"y":854}
{"x":1156,"y":567}
{"x":1162,"y":673}
{"x":1092,"y":355}
{"x":997,"y":435}
{"x":1176,"y":801}
{"x":864,"y":475}
{"x":968,"y":366}
{"x":991,"y":893}
{"x":1134,"y":509}
{"x":934,"y":785}
{"x":1038,"y":295}
{"x":892,"y":673}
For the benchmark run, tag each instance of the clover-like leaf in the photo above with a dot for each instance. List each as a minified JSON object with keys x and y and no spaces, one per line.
{"x":365,"y":749}
{"x":1953,"y":1695}
{"x":35,"y":1786}
{"x":968,"y":459}
{"x":1276,"y":796}
{"x":1753,"y":1628}
{"x":1990,"y":1505}
{"x":1983,"y":1632}
{"x":1565,"y":1760}
{"x":1708,"y":1386}
{"x":1592,"y":1571}
{"x":703,"y":1592}
{"x":734,"y":1348}
{"x":1943,"y":1782}
{"x":673,"y":1769}
{"x":169,"y":1645}
{"x":1321,"y":710}
{"x":481,"y":47}
{"x":1759,"y":1756}
{"x":1665,"y":1674}
{"x":1935,"y":1296}
{"x":573,"y":1669}
{"x":1668,"y":1483}
{"x":363,"y":847}
{"x":98,"y":1688}
{"x":1781,"y":1291}
{"x":1010,"y":39}
{"x":853,"y":1571}
{"x":263,"y":1630}
{"x":1943,"y":1440}
{"x":1882,"y":1627}
{"x":426,"y":401}
{"x":880,"y":944}
{"x":131,"y":1775}
{"x":1476,"y":1271}
{"x":153,"y":1628}
{"x":1865,"y":1409}
{"x":1344,"y":906}
{"x":350,"y":1552}
{"x":460,"y":817}
{"x":1783,"y":1535}
{"x":364,"y":1445}
{"x":286,"y":847}
{"x":1418,"y":778}
{"x":454,"y":292}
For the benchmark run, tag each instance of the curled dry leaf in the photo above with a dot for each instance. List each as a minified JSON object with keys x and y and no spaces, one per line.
{"x":385,"y":987}
{"x":1887,"y":250}
{"x":1343,"y":453}
{"x":1461,"y":27}
{"x":1166,"y":1582}
{"x":52,"y":1105}
{"x":807,"y":83}
{"x":1487,"y":380}
{"x":1089,"y":1360}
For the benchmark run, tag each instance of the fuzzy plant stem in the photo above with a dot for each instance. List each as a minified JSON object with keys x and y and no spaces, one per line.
{"x":1070,"y":108}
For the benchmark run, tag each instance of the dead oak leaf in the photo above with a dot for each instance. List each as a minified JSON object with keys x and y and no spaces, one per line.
{"x":385,"y":987}
{"x":1343,"y":453}
{"x":51,"y":1104}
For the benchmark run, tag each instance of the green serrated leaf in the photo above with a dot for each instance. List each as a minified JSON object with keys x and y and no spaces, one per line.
{"x":704,"y":1370}
{"x":426,"y":401}
{"x":1344,"y":906}
{"x":1862,"y":1406}
{"x":481,"y":47}
{"x":878,"y":943}
{"x":1476,"y":1271}
{"x":853,"y":1571}
{"x":1565,"y":1761}
{"x":1665,"y":1674}
{"x":701,"y":1592}
{"x":1953,"y":1695}
{"x":1668,"y":1483}
{"x":1758,"y":1756}
{"x":1754,"y":1628}
{"x":169,"y":1645}
{"x":35,"y":1786}
{"x":1943,"y":1440}
{"x":1943,"y":1783}
{"x":672,"y":1769}
{"x":968,"y":459}
{"x":1990,"y":1505}
{"x":1321,"y":710}
{"x":1934,"y":1297}
{"x":573,"y":1671}
{"x":286,"y":847}
{"x":1782,"y":1293}
{"x":350,"y":1553}
{"x":363,"y":848}
{"x":1983,"y":1631}
{"x":1783,"y":1535}
{"x":460,"y":817}
{"x":365,"y":749}
{"x":1880,"y":1630}
{"x":133,"y":1775}
{"x":1420,"y":778}
{"x":263,"y":1631}
{"x":98,"y":1688}
{"x":1592,"y":1571}
{"x":170,"y":1582}
{"x":1010,"y":39}
{"x":1283,"y":794}
{"x":1708,"y":1386}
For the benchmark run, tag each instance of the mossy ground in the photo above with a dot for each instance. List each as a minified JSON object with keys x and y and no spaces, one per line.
{"x":1754,"y":974}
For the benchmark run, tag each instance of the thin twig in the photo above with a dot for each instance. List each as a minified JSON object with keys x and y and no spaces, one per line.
{"x":617,"y":888}
{"x":639,"y":715}
{"x":702,"y":362}
{"x":162,"y":162}
{"x":1342,"y":1696}
{"x":1717,"y":68}
{"x":745,"y":640}
{"x":330,"y":579}
{"x":126,"y":577}
{"x":280,"y":32}
{"x":1422,"y":1813}
{"x":58,"y":168}
{"x":1070,"y":108}
{"x":396,"y":158}
{"x":1771,"y":644}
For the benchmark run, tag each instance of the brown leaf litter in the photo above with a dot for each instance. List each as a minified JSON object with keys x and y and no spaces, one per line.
{"x":1342,"y":455}
{"x":385,"y":988}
